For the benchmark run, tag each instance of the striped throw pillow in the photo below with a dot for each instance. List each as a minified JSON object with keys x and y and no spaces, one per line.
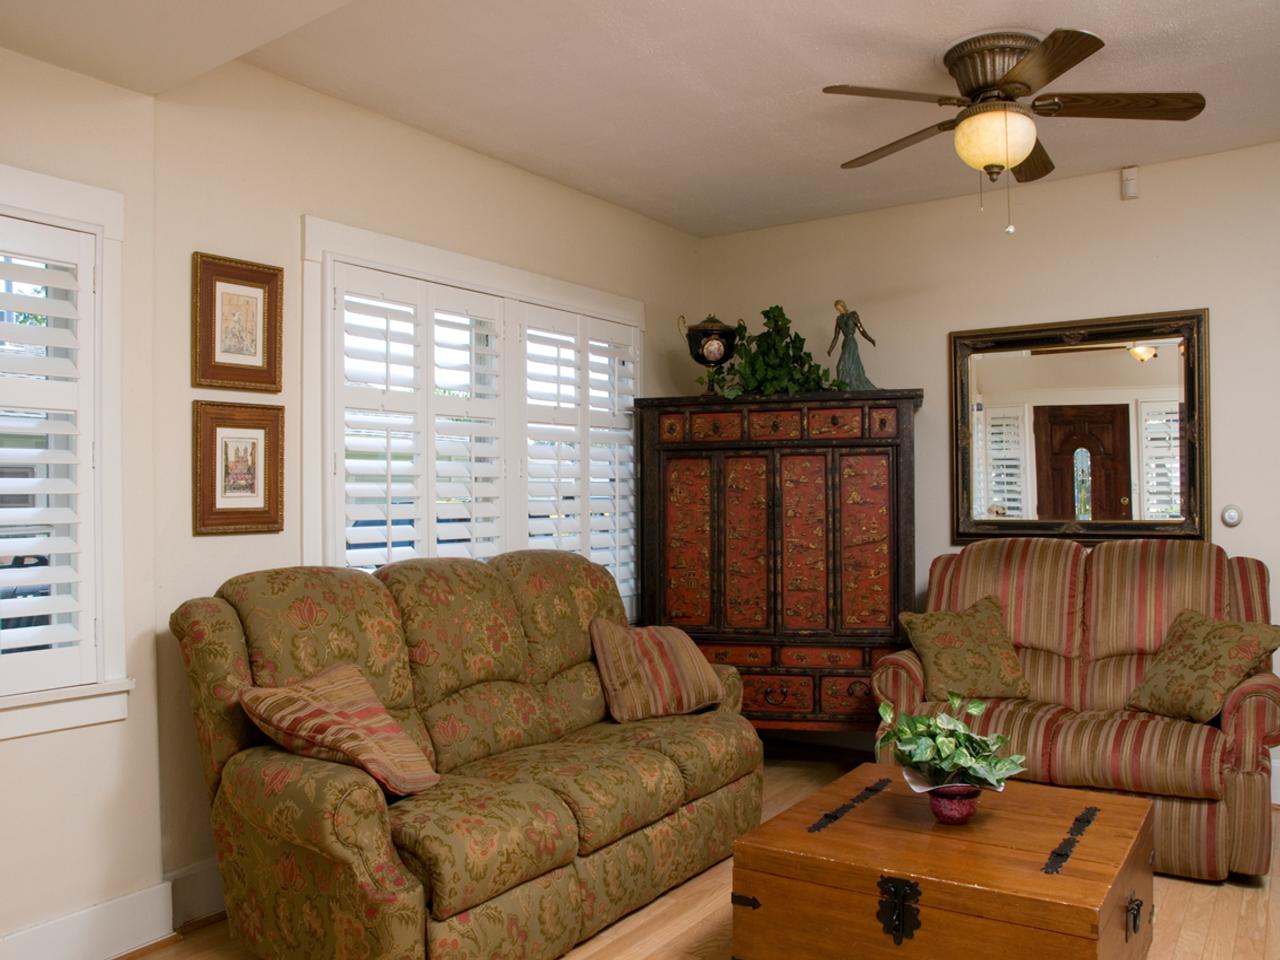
{"x":652,"y":671}
{"x":336,"y":715}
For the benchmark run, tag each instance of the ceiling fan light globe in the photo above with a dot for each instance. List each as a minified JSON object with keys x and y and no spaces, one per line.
{"x":997,"y":136}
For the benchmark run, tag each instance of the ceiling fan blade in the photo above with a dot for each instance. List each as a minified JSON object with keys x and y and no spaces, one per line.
{"x":1036,"y":165}
{"x":1057,"y":53}
{"x":941,"y":99}
{"x":901,"y":144}
{"x":1120,"y":106}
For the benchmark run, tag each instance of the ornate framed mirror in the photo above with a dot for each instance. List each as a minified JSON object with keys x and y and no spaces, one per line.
{"x":1089,"y":430}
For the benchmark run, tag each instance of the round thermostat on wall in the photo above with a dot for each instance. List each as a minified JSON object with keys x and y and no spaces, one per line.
{"x":1232,"y":515}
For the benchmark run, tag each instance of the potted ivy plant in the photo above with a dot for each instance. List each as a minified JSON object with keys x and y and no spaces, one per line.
{"x":941,"y":756}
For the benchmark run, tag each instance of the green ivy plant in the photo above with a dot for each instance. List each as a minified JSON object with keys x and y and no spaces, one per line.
{"x":943,"y":748}
{"x":771,"y":362}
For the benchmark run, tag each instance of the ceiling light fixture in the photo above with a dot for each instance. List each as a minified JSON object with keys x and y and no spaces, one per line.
{"x":1142,"y":352}
{"x":995,"y":136}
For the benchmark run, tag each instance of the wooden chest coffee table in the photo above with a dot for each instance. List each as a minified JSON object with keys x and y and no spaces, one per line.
{"x":861,"y":869}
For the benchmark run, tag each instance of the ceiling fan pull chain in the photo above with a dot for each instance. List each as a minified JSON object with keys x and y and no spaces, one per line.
{"x":1008,"y":205}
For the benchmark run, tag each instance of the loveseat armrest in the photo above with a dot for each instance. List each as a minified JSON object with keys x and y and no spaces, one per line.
{"x":898,"y":680}
{"x":732,"y":680}
{"x":292,"y":832}
{"x":1251,"y":721}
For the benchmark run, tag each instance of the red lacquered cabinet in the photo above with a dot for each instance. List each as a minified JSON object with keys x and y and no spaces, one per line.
{"x":779,"y":533}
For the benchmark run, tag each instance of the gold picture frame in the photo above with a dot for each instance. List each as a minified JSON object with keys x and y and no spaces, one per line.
{"x":236,"y":323}
{"x":237,"y":468}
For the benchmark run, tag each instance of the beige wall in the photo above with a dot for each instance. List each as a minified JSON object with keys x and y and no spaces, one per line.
{"x":78,"y":809}
{"x":240,"y":157}
{"x":229,"y":164}
{"x":1205,"y":233}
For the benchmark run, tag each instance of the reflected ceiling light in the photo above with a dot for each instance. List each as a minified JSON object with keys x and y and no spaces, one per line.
{"x":1142,"y":352}
{"x":995,"y":136}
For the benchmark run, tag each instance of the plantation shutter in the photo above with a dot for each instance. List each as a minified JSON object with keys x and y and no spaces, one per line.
{"x":978,"y":464}
{"x":581,"y":378}
{"x":612,"y":358}
{"x":1006,"y":458}
{"x":1161,"y":460}
{"x":554,"y":452}
{"x":47,"y":408}
{"x":465,"y":404}
{"x":380,"y":429}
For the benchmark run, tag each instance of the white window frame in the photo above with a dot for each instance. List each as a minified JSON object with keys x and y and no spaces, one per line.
{"x":43,"y":199}
{"x":327,"y":243}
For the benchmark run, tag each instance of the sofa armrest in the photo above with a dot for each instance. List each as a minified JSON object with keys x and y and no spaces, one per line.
{"x":304,"y":838}
{"x":898,"y":680}
{"x":732,"y":680}
{"x":332,"y":809}
{"x":1251,"y":721}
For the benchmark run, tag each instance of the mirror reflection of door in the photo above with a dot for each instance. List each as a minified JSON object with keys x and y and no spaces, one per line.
{"x":1093,"y":485}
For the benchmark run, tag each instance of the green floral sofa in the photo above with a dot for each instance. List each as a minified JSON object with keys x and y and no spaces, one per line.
{"x":550,"y":822}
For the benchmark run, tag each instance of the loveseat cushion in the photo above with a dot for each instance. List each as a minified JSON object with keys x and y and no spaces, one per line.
{"x":966,"y":652}
{"x":1139,"y":753}
{"x":1199,"y":663}
{"x":711,"y":749}
{"x":468,"y":658}
{"x":1135,"y":590}
{"x":470,"y":840}
{"x":1031,"y":727}
{"x":299,"y":620}
{"x":611,"y":790}
{"x":558,"y":594}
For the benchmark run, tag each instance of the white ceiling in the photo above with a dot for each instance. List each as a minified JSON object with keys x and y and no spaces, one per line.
{"x":704,"y":114}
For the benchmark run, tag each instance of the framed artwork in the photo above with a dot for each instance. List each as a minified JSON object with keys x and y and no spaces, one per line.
{"x":236,"y":318}
{"x":237,"y":468}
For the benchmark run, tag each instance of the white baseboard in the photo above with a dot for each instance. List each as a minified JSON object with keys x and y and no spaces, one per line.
{"x":197,"y":891}
{"x":100,"y":932}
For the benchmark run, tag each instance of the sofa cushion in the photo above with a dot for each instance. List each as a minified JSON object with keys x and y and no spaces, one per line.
{"x":1140,"y":753}
{"x":966,"y":652}
{"x":711,"y":749}
{"x":558,"y":594}
{"x":1040,"y":584}
{"x":470,"y":840}
{"x":611,"y":790}
{"x":299,"y":620}
{"x":335,"y":715}
{"x":468,"y":658}
{"x":652,"y":671}
{"x":1199,"y":663}
{"x":1031,"y":727}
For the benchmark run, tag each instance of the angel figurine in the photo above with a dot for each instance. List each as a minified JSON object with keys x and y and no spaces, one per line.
{"x":849,"y":366}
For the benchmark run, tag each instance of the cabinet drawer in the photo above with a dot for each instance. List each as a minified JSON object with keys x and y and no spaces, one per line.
{"x":877,"y":654}
{"x":776,"y":425}
{"x":845,"y":657}
{"x":847,"y":695}
{"x":835,"y":422}
{"x":671,"y":428}
{"x":715,"y":426}
{"x":740,"y":655}
{"x":765,"y":693}
{"x":883,"y":422}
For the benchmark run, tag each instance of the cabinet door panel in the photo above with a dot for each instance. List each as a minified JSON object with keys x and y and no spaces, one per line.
{"x":866,"y":529}
{"x":687,"y":492}
{"x":804,"y":541}
{"x":746,"y":543}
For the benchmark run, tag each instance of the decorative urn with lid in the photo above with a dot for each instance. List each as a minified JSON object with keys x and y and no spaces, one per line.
{"x":711,"y":343}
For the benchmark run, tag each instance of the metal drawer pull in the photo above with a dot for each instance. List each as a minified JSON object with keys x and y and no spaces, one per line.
{"x":715,"y":426}
{"x":835,"y":421}
{"x":776,"y":425}
{"x":1134,"y":923}
{"x":768,"y":696}
{"x":884,"y":424}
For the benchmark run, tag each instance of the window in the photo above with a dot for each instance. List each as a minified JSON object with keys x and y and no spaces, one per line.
{"x":61,"y":615}
{"x":466,"y":422}
{"x":1161,"y":427}
{"x":1005,"y":461}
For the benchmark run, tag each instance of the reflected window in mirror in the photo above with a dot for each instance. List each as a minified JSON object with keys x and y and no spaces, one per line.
{"x":1079,"y":429}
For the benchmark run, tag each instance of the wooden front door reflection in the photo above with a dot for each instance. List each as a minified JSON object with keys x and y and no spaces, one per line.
{"x":1094,"y":485}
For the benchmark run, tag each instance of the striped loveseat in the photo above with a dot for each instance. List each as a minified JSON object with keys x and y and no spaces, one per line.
{"x":1086,"y":623}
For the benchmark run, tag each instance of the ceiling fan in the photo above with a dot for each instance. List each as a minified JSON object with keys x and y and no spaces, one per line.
{"x":994,"y":132}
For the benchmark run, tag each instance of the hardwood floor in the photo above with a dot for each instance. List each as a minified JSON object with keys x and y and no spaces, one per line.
{"x":1194,"y":921}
